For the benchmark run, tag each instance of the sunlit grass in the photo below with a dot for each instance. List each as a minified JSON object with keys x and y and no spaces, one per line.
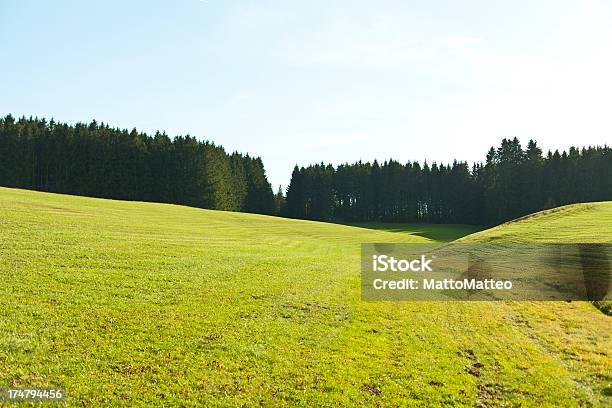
{"x":151,"y":304}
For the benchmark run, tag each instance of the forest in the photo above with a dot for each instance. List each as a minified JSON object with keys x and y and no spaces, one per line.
{"x":511,"y":183}
{"x":98,"y":161}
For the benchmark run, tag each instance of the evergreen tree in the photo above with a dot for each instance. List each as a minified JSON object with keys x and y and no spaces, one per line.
{"x":279,"y":201}
{"x":512,"y":182}
{"x":295,"y":201}
{"x":259,"y":198}
{"x":96,"y":160}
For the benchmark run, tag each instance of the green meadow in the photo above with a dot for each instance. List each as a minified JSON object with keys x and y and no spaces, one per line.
{"x":130,"y":303}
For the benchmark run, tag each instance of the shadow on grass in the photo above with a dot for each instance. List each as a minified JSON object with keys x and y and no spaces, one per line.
{"x":435,"y":232}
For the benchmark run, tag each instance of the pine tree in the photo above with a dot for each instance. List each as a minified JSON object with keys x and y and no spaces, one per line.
{"x":279,"y":201}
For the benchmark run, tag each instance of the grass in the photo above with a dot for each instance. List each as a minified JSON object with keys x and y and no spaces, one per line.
{"x":576,"y":223}
{"x":150,"y":304}
{"x":434,"y":232}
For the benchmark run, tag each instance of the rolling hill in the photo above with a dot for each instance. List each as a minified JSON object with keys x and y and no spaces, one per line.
{"x":154,"y":304}
{"x":576,"y":223}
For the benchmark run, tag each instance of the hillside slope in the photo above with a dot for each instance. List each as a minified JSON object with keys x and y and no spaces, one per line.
{"x":139,"y":303}
{"x":576,"y":223}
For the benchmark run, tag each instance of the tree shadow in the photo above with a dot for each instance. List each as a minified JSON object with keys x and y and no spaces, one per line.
{"x":435,"y":232}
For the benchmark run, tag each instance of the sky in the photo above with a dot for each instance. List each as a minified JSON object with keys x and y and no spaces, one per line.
{"x":301,"y":82}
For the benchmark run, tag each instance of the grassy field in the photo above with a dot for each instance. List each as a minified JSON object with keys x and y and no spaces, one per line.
{"x":149,"y":304}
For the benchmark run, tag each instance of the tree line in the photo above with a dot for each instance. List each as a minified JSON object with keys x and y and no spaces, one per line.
{"x":512,"y":182}
{"x":99,"y":161}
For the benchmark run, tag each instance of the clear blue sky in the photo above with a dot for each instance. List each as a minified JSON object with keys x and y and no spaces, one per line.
{"x":310,"y":81}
